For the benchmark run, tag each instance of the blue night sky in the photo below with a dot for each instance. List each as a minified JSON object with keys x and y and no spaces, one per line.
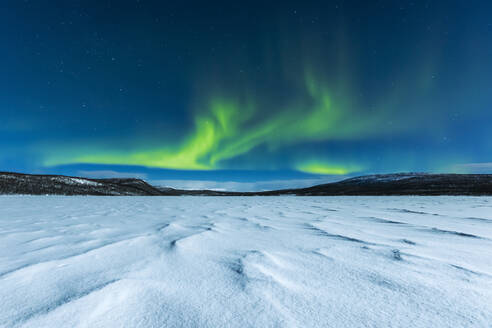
{"x":245,"y":95}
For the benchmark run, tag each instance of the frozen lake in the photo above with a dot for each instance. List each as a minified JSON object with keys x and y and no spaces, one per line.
{"x":245,"y":262}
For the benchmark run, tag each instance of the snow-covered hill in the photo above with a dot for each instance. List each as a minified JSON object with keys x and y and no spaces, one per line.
{"x":370,"y":185}
{"x":406,"y":184}
{"x":28,"y":184}
{"x":245,"y":261}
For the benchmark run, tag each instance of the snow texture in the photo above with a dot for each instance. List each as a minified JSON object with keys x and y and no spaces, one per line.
{"x":245,"y":261}
{"x":80,"y":181}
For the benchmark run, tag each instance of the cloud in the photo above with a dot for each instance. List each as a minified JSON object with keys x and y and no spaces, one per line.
{"x":244,"y":186}
{"x":473,"y":167}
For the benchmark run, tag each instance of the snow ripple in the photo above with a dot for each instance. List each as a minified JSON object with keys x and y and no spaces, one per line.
{"x":245,"y":262}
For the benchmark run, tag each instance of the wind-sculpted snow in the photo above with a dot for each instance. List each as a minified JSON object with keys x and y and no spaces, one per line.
{"x":245,"y":261}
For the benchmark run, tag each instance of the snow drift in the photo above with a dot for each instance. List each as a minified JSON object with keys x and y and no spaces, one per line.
{"x":245,"y":261}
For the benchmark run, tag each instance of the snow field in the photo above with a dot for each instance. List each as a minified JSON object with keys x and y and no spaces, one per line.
{"x":245,"y":261}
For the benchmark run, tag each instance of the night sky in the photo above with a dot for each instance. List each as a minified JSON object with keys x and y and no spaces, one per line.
{"x":244,"y":94}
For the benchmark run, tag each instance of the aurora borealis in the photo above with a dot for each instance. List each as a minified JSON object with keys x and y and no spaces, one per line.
{"x":297,"y":90}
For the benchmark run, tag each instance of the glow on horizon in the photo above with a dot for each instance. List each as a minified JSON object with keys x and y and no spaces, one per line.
{"x":318,"y":167}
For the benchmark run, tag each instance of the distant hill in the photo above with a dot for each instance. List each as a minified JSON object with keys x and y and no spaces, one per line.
{"x":30,"y":184}
{"x":370,"y":185}
{"x":402,"y":184}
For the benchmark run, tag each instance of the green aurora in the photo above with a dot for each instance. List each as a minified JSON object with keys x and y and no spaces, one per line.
{"x":323,"y":95}
{"x":228,"y":129}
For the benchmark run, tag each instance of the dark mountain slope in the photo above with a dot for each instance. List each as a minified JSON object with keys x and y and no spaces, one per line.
{"x":371,"y":185}
{"x":402,"y":184}
{"x":16,"y":183}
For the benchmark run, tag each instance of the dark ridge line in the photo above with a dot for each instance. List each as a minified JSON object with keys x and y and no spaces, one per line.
{"x":457,"y":233}
{"x":321,"y":232}
{"x":459,"y":267}
{"x":381,"y":220}
{"x":478,"y":219}
{"x":398,"y":184}
{"x":404,"y":210}
{"x":37,"y":184}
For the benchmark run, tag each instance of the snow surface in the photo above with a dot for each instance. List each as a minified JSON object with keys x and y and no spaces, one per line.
{"x":245,"y":262}
{"x":71,"y":181}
